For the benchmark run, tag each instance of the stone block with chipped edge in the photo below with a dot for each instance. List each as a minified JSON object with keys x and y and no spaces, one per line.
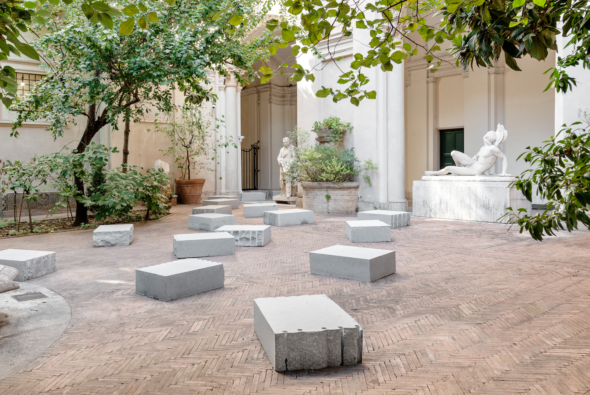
{"x":307,"y":332}
{"x":112,"y":235}
{"x":253,"y":196}
{"x":216,"y":197}
{"x":258,"y":209}
{"x":212,"y":210}
{"x":29,"y":263}
{"x":234,"y":203}
{"x":249,"y":235}
{"x":368,"y":231}
{"x":353,"y":263}
{"x":288,"y":217}
{"x":198,"y":245}
{"x":179,"y":279}
{"x":211,"y":221}
{"x":395,"y":219}
{"x":7,"y":275}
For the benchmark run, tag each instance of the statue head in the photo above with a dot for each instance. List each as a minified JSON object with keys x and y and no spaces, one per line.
{"x":489,"y":138}
{"x":496,"y":137}
{"x":286,"y":142}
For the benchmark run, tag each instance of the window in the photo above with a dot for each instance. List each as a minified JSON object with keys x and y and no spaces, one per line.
{"x":450,"y":140}
{"x":24,"y":82}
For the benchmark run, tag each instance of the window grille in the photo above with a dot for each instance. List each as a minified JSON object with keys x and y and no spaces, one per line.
{"x":25,"y":81}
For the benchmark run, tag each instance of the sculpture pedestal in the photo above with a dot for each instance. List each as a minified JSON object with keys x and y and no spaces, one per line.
{"x":467,"y":198}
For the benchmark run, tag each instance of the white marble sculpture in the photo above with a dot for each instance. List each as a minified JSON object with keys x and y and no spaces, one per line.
{"x":160,"y":164}
{"x":285,"y":158}
{"x":483,"y":161}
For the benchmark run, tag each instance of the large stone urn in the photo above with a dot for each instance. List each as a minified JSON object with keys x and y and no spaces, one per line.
{"x":324,"y":135}
{"x":189,"y":191}
{"x":330,"y":197}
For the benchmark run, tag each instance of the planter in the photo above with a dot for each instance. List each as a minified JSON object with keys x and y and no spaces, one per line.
{"x":189,"y":191}
{"x":343,"y":197}
{"x":324,"y":135}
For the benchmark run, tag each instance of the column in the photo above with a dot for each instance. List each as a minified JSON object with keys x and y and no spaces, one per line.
{"x":240,"y":137}
{"x":231,"y":132}
{"x":496,"y":105}
{"x":220,"y":114}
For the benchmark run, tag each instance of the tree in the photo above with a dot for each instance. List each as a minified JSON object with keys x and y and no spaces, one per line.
{"x":103,"y":75}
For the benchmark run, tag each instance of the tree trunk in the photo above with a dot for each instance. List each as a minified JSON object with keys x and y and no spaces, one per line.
{"x":81,"y":210}
{"x":126,"y":146}
{"x":30,"y":217}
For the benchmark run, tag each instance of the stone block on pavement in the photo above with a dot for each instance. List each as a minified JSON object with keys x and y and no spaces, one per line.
{"x":248,"y":235}
{"x":112,"y":235}
{"x":178,"y":279}
{"x":198,"y":245}
{"x":210,"y":222}
{"x":216,"y":197}
{"x":395,"y":219}
{"x":212,"y":210}
{"x":307,"y":332}
{"x":29,"y":263}
{"x":253,"y":196}
{"x":368,"y":231}
{"x":353,"y":263}
{"x":288,"y":217}
{"x":234,"y":203}
{"x":258,"y":209}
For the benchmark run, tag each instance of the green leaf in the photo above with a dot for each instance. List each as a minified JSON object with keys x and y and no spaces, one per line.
{"x":540,"y":3}
{"x":511,"y":62}
{"x":288,"y":35}
{"x":142,"y":7}
{"x":54,"y":2}
{"x":518,"y":3}
{"x":87,"y":10}
{"x":407,"y":47}
{"x":143,"y":23}
{"x":44,"y":12}
{"x":361,"y":25}
{"x":170,"y":2}
{"x":372,"y":95}
{"x":236,"y":20}
{"x":106,"y":21}
{"x":265,"y":78}
{"x":30,"y":4}
{"x":26,"y":50}
{"x":324,"y":92}
{"x":354,"y":101}
{"x":7,"y":101}
{"x":127,"y":27}
{"x":152,"y":17}
{"x":100,"y":6}
{"x":130,"y":10}
{"x":272,"y":24}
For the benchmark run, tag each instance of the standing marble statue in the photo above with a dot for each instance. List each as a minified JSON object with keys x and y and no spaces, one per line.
{"x":285,"y":158}
{"x":482,"y":162}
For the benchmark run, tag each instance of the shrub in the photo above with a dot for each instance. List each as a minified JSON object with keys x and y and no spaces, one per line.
{"x":335,"y":125}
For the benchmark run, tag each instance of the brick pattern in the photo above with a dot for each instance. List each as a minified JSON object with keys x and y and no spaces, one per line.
{"x":472,"y":309}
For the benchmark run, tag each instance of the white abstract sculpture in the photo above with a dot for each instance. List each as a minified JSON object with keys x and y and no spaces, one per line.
{"x":285,"y":158}
{"x":160,"y":164}
{"x":483,"y":161}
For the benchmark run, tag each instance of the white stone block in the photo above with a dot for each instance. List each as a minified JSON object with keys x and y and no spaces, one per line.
{"x":217,"y":197}
{"x":7,"y":274}
{"x":248,"y":235}
{"x":234,"y":203}
{"x":395,"y":219}
{"x":307,"y":332}
{"x":179,"y":279}
{"x":353,"y":263}
{"x":197,"y":245}
{"x":467,"y":198}
{"x":210,"y":222}
{"x":253,"y":196}
{"x":368,"y":231}
{"x":288,"y":217}
{"x":29,"y":263}
{"x":257,"y":210}
{"x":112,"y":235}
{"x":212,"y":210}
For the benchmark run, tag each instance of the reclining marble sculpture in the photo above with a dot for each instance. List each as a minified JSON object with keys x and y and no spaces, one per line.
{"x":482,"y":162}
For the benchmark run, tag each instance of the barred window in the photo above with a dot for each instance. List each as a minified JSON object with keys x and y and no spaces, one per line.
{"x":24,"y":82}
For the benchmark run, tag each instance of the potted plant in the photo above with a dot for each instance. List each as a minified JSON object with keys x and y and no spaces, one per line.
{"x":331,"y":130}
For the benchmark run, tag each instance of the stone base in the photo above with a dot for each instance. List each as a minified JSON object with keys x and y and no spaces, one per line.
{"x":307,"y":332}
{"x":234,"y":203}
{"x":212,"y":210}
{"x":368,"y":231}
{"x":179,"y":279}
{"x":284,"y":199}
{"x":210,"y":222}
{"x":353,"y":263}
{"x":253,"y":196}
{"x":112,"y":235}
{"x":395,"y":219}
{"x":216,"y":197}
{"x":257,"y":210}
{"x":343,"y":197}
{"x":248,"y":235}
{"x":29,"y":263}
{"x":481,"y":199}
{"x":288,"y":217}
{"x":198,"y":245}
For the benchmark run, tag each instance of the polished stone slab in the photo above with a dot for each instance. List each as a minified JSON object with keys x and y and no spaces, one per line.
{"x":248,"y":235}
{"x":288,"y":217}
{"x":112,"y":235}
{"x":198,"y":245}
{"x":368,"y":231}
{"x":253,"y":196}
{"x":258,"y":209}
{"x":210,"y":222}
{"x":29,"y":263}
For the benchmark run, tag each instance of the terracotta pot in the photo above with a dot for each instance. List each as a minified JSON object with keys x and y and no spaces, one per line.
{"x":189,"y":191}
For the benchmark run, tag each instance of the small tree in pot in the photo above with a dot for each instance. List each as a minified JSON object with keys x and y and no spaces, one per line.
{"x":331,"y":130}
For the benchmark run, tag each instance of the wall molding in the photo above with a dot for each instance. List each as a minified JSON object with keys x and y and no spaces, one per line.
{"x":339,"y":46}
{"x":280,"y":95}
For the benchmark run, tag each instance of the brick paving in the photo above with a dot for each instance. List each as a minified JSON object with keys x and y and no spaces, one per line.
{"x":472,"y":309}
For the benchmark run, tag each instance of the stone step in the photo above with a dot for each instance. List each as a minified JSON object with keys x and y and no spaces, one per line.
{"x":248,"y":235}
{"x":112,"y":235}
{"x":395,"y":219}
{"x":210,"y":222}
{"x":288,"y":217}
{"x":234,"y":203}
{"x":307,"y":332}
{"x":179,"y":279}
{"x":253,"y":196}
{"x":353,"y":263}
{"x":198,"y":245}
{"x":29,"y":263}
{"x":258,"y":209}
{"x":216,"y":197}
{"x":212,"y":210}
{"x":368,"y":231}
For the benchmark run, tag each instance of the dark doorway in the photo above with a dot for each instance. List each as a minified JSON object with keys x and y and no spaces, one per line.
{"x":250,"y":168}
{"x":450,"y":140}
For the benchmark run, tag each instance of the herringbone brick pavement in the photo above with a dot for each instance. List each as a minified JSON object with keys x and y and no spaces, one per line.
{"x":472,"y":309}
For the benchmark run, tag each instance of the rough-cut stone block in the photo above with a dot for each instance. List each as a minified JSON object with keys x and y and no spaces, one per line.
{"x":253,"y":196}
{"x":112,"y":235}
{"x":199,"y":245}
{"x":29,"y":263}
{"x":248,"y":235}
{"x":284,"y":199}
{"x":288,"y":217}
{"x":210,"y":222}
{"x":257,"y":210}
{"x":307,"y":332}
{"x":353,"y":263}
{"x":234,"y":203}
{"x":212,"y":210}
{"x":368,"y":231}
{"x":7,"y":274}
{"x":217,"y":197}
{"x":395,"y":219}
{"x":179,"y":279}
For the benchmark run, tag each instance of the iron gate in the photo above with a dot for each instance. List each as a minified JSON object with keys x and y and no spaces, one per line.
{"x":250,"y":167}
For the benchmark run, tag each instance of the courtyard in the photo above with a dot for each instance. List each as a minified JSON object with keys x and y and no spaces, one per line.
{"x":472,"y":308}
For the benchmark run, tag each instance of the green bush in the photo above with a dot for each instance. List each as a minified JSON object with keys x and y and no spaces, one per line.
{"x":335,"y":125}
